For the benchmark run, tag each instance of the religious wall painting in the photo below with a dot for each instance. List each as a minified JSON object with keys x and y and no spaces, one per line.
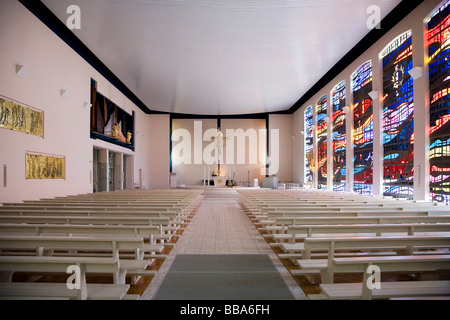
{"x":19,"y":117}
{"x":43,"y":166}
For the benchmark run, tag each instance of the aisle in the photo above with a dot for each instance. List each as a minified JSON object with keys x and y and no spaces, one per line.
{"x":220,"y":227}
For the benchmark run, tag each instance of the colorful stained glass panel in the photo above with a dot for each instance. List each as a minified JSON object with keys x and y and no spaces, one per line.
{"x":361,"y":81}
{"x":398,"y":118}
{"x":439,"y":75}
{"x":309,"y":147}
{"x":338,"y":101}
{"x":321,"y":131}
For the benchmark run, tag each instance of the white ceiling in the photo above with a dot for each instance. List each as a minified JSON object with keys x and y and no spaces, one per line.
{"x":220,"y":57}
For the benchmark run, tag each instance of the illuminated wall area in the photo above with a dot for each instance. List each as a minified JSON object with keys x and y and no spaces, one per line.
{"x":309,"y":147}
{"x":361,"y":85}
{"x":338,"y":100}
{"x":398,"y":118}
{"x":321,"y":132}
{"x":439,"y":84}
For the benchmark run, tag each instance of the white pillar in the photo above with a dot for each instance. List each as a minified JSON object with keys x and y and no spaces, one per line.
{"x":348,"y":131}
{"x":329,"y":143}
{"x":421,"y":115}
{"x":377,"y":85}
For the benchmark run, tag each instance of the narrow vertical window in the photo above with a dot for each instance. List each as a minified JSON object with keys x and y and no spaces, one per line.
{"x":321,"y":131}
{"x":361,"y":85}
{"x":308,"y":135}
{"x":338,"y":101}
{"x":5,"y":176}
{"x":439,"y":74}
{"x":398,"y":118}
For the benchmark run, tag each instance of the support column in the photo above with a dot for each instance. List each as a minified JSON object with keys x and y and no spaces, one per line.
{"x":421,"y":115}
{"x":350,"y":142}
{"x":329,"y":143}
{"x":118,"y":171}
{"x":377,"y":85}
{"x":103,"y":156}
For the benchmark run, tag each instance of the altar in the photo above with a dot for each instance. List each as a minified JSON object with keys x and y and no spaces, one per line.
{"x":219,"y":182}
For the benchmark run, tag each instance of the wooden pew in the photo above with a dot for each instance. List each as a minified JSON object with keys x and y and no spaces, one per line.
{"x":151,"y":233}
{"x":280,"y":224}
{"x":423,"y":290}
{"x":85,"y":246}
{"x":48,"y":264}
{"x":88,"y":212}
{"x":166,"y":228}
{"x":95,"y":208}
{"x":299,"y":232}
{"x":404,"y":245}
{"x":176,"y":221}
{"x":406,"y":264}
{"x":146,"y":232}
{"x":67,"y":219}
{"x":354,"y":209}
{"x":269,"y":219}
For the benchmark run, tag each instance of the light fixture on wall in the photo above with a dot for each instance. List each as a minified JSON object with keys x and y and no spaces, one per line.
{"x":374,"y":95}
{"x":64,"y":94}
{"x":87,"y":106}
{"x":21,"y":71}
{"x":346,"y":109}
{"x":416,"y":72}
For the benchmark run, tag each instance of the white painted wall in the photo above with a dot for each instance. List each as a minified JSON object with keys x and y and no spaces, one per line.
{"x":286,"y":142}
{"x":54,"y":66}
{"x":298,"y":147}
{"x":247,"y":170}
{"x":189,"y":172}
{"x":192,"y":173}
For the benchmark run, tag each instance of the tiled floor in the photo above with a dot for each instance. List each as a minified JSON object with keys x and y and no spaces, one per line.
{"x":220,"y":226}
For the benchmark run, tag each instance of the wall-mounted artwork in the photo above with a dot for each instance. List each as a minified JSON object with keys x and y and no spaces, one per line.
{"x":17,"y":117}
{"x":42,"y":166}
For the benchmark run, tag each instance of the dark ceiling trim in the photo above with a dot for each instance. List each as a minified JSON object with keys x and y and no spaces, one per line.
{"x":60,"y":29}
{"x":227,"y":116}
{"x":390,"y":20}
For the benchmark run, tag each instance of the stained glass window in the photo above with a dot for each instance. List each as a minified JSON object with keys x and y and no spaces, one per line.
{"x":398,"y":118}
{"x":439,"y":77}
{"x":321,"y":131}
{"x":309,"y":147}
{"x":338,"y":100}
{"x":361,"y":84}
